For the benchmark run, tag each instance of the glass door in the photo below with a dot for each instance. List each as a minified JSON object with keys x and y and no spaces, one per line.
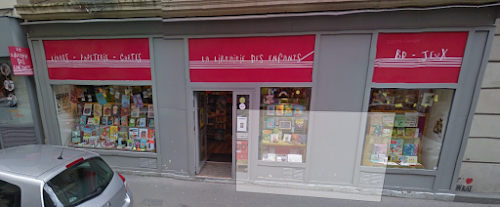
{"x":242,"y":110}
{"x":200,"y":131}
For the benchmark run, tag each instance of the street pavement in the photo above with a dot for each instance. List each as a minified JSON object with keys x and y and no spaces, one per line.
{"x":169,"y":192}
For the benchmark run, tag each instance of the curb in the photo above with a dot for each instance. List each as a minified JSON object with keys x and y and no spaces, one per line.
{"x":482,"y":198}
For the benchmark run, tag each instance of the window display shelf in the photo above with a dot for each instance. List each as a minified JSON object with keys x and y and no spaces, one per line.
{"x":282,"y":144}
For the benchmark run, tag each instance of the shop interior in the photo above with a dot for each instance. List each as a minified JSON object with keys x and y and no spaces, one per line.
{"x":215,"y":128}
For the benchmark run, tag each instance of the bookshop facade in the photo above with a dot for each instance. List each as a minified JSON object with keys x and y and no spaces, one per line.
{"x":357,"y":103}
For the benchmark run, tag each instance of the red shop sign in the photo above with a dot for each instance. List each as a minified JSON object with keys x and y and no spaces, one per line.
{"x":20,"y":59}
{"x":252,"y":59}
{"x":430,"y":57}
{"x":242,"y":150}
{"x":98,"y":59}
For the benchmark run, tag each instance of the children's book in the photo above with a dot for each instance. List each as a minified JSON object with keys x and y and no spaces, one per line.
{"x":144,"y":143}
{"x":116,"y":110}
{"x":100,"y":98}
{"x":396,"y":147}
{"x":412,"y":159}
{"x":104,"y":120}
{"x":131,"y":122}
{"x":280,"y":110}
{"x":83,"y":119}
{"x":402,"y":159}
{"x":142,"y":122}
{"x":116,"y":121}
{"x":294,"y":158}
{"x":417,"y":131}
{"x":266,"y":136}
{"x":409,"y":149}
{"x":135,"y":112}
{"x":124,"y":120}
{"x":295,"y":138}
{"x":143,"y":112}
{"x":298,"y":110}
{"x":302,"y":138}
{"x":151,"y":113}
{"x":400,"y":132}
{"x":411,"y":119}
{"x":270,"y":123}
{"x":106,"y":110}
{"x":387,"y":132}
{"x":110,"y":120}
{"x":143,"y":133}
{"x":90,"y":120}
{"x":97,"y":120}
{"x":151,"y":123}
{"x":274,"y":138}
{"x":87,"y":132}
{"x":271,"y":157}
{"x":281,"y":158}
{"x":104,"y":132}
{"x":76,"y":136}
{"x":388,"y":119}
{"x":125,"y":111}
{"x":125,"y":101}
{"x":113,"y":132}
{"x":97,"y":110}
{"x":410,"y":132}
{"x":151,"y":134}
{"x":138,"y":101}
{"x":299,"y":124}
{"x":376,"y":118}
{"x":399,"y":120}
{"x":288,"y":110}
{"x":133,"y":133}
{"x":380,"y":149}
{"x":287,"y":138}
{"x":374,"y":158}
{"x":87,"y":109}
{"x":270,"y":110}
{"x":375,"y":130}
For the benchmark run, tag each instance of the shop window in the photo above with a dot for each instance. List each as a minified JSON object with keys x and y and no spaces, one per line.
{"x":283,"y":124}
{"x":15,"y":107}
{"x":406,"y":127}
{"x":109,"y":117}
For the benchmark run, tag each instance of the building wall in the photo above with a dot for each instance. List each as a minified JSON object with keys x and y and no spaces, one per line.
{"x":481,"y":163}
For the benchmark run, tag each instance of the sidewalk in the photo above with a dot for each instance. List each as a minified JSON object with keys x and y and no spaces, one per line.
{"x":168,"y":192}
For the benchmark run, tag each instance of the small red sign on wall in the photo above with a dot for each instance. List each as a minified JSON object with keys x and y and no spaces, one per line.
{"x":429,"y":57}
{"x":98,"y":59}
{"x":20,"y":59}
{"x":242,"y":150}
{"x":252,"y":59}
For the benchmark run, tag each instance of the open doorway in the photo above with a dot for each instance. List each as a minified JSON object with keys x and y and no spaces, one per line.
{"x":214,"y":115}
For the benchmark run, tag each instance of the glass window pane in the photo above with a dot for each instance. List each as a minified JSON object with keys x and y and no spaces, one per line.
{"x":406,"y":127}
{"x":15,"y":105}
{"x":110,"y":117}
{"x":81,"y":182}
{"x":283,"y":124}
{"x":10,"y":194}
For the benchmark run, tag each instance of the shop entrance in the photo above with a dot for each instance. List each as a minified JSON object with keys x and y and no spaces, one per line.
{"x":214,"y":121}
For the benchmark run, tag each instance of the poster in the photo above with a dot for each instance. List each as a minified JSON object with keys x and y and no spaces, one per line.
{"x":241,"y":124}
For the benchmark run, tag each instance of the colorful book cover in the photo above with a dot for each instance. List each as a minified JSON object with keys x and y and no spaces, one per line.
{"x":151,"y":111}
{"x":116,"y":121}
{"x":298,"y":110}
{"x":402,"y":159}
{"x":138,"y":101}
{"x":123,"y":134}
{"x":270,"y":110}
{"x":97,"y":110}
{"x":380,"y":149}
{"x":299,"y":124}
{"x":410,"y":132}
{"x":143,"y":112}
{"x":113,"y":132}
{"x":116,"y":110}
{"x":417,"y":131}
{"x":131,"y":122}
{"x":411,"y":119}
{"x":125,"y":111}
{"x":151,"y":123}
{"x":133,"y":133}
{"x":83,"y":119}
{"x":394,"y":132}
{"x":125,"y":101}
{"x":110,"y":120}
{"x":76,"y":136}
{"x":388,"y":119}
{"x":87,"y":109}
{"x":90,"y":120}
{"x":270,"y":123}
{"x":396,"y":147}
{"x":97,"y":120}
{"x":137,"y":144}
{"x":374,"y":158}
{"x":376,"y":118}
{"x":120,"y":142}
{"x":151,"y":134}
{"x":375,"y":130}
{"x":295,"y":138}
{"x":288,"y":110}
{"x":408,"y":149}
{"x":400,"y":132}
{"x":144,"y":143}
{"x":151,"y":144}
{"x":302,"y":138}
{"x":104,"y":120}
{"x":104,"y":132}
{"x":280,"y":109}
{"x":287,"y":138}
{"x":399,"y":120}
{"x":79,"y":108}
{"x":412,"y":159}
{"x":274,"y":138}
{"x":106,"y":110}
{"x":266,"y":136}
{"x":142,"y":122}
{"x":130,"y":143}
{"x":100,"y":98}
{"x":87,"y":132}
{"x":143,"y":133}
{"x":124,"y":121}
{"x":135,"y":112}
{"x":387,"y":132}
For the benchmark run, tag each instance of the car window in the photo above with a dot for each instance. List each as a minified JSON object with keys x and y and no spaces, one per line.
{"x":10,"y":194}
{"x":79,"y":183}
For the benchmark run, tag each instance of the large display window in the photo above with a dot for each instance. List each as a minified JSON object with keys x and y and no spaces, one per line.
{"x":283,"y":124}
{"x":406,"y":127}
{"x":106,"y":116}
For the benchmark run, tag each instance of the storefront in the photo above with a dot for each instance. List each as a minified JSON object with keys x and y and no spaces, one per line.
{"x":289,"y":100}
{"x":19,"y":114}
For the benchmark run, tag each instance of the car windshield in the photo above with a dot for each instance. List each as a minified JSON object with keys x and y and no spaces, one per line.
{"x":80,"y":182}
